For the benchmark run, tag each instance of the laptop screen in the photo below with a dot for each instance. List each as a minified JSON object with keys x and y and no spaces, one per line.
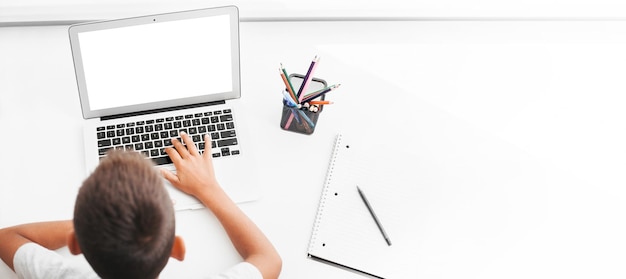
{"x":156,"y":62}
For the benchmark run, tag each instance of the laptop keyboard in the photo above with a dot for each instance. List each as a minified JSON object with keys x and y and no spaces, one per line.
{"x":151,"y":137}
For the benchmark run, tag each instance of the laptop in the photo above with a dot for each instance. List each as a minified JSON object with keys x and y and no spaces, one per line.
{"x":144,"y":80}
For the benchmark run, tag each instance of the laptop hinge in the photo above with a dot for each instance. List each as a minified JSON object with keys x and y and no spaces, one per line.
{"x":144,"y":112}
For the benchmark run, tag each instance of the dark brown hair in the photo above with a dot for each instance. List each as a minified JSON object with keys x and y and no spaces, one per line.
{"x":124,"y":218}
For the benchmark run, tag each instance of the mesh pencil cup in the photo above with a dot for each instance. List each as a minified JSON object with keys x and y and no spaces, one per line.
{"x":301,"y":120}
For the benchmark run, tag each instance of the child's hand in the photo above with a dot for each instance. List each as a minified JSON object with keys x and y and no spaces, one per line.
{"x":194,"y":172}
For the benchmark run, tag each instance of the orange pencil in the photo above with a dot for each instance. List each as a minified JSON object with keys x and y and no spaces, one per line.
{"x":320,"y":102}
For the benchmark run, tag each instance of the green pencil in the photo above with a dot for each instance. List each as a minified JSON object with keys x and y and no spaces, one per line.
{"x":287,"y":77}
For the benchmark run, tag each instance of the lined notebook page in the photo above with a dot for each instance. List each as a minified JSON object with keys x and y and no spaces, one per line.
{"x":344,"y":231}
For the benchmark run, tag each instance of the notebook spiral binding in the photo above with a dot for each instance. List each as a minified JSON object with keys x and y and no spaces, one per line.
{"x":320,"y":209}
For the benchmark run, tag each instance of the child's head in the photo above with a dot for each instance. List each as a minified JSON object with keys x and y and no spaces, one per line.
{"x":124,"y":218}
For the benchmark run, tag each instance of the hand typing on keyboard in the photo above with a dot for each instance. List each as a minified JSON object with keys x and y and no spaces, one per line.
{"x":194,"y":171}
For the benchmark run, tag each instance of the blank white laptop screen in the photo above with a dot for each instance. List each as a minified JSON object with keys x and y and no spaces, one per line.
{"x":147,"y":63}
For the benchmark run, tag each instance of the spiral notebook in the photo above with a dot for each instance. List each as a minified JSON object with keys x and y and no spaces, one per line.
{"x":344,"y":232}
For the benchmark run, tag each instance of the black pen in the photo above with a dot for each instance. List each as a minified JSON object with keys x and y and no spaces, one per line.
{"x":369,"y":207}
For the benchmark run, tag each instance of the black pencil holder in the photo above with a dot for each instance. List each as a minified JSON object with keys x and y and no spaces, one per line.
{"x":295,"y":120}
{"x":302,"y":120}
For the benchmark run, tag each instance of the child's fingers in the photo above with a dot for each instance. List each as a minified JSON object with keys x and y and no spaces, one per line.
{"x":173,"y":154}
{"x":171,"y":177}
{"x":207,"y":146}
{"x":191,"y":146}
{"x":182,"y":150}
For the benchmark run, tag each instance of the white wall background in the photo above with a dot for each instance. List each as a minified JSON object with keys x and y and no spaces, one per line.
{"x":23,"y":11}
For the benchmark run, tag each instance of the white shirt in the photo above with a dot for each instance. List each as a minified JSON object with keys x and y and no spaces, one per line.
{"x":34,"y":261}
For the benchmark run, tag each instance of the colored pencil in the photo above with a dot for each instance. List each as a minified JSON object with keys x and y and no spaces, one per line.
{"x":287,"y":84}
{"x":319,"y":93}
{"x":320,"y":102}
{"x":322,"y":91}
{"x":315,"y":92}
{"x":307,"y":78}
{"x":287,"y":77}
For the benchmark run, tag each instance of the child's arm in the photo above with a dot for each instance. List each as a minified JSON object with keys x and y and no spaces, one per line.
{"x":195,"y":176}
{"x":51,"y":235}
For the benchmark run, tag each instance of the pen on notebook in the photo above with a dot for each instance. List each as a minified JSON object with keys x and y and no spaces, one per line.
{"x":307,"y":78}
{"x":369,"y":208}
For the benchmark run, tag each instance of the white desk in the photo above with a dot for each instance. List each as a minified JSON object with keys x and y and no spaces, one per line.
{"x":518,"y":129}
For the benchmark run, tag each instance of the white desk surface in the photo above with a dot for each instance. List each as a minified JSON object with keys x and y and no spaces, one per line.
{"x":517,"y":129}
